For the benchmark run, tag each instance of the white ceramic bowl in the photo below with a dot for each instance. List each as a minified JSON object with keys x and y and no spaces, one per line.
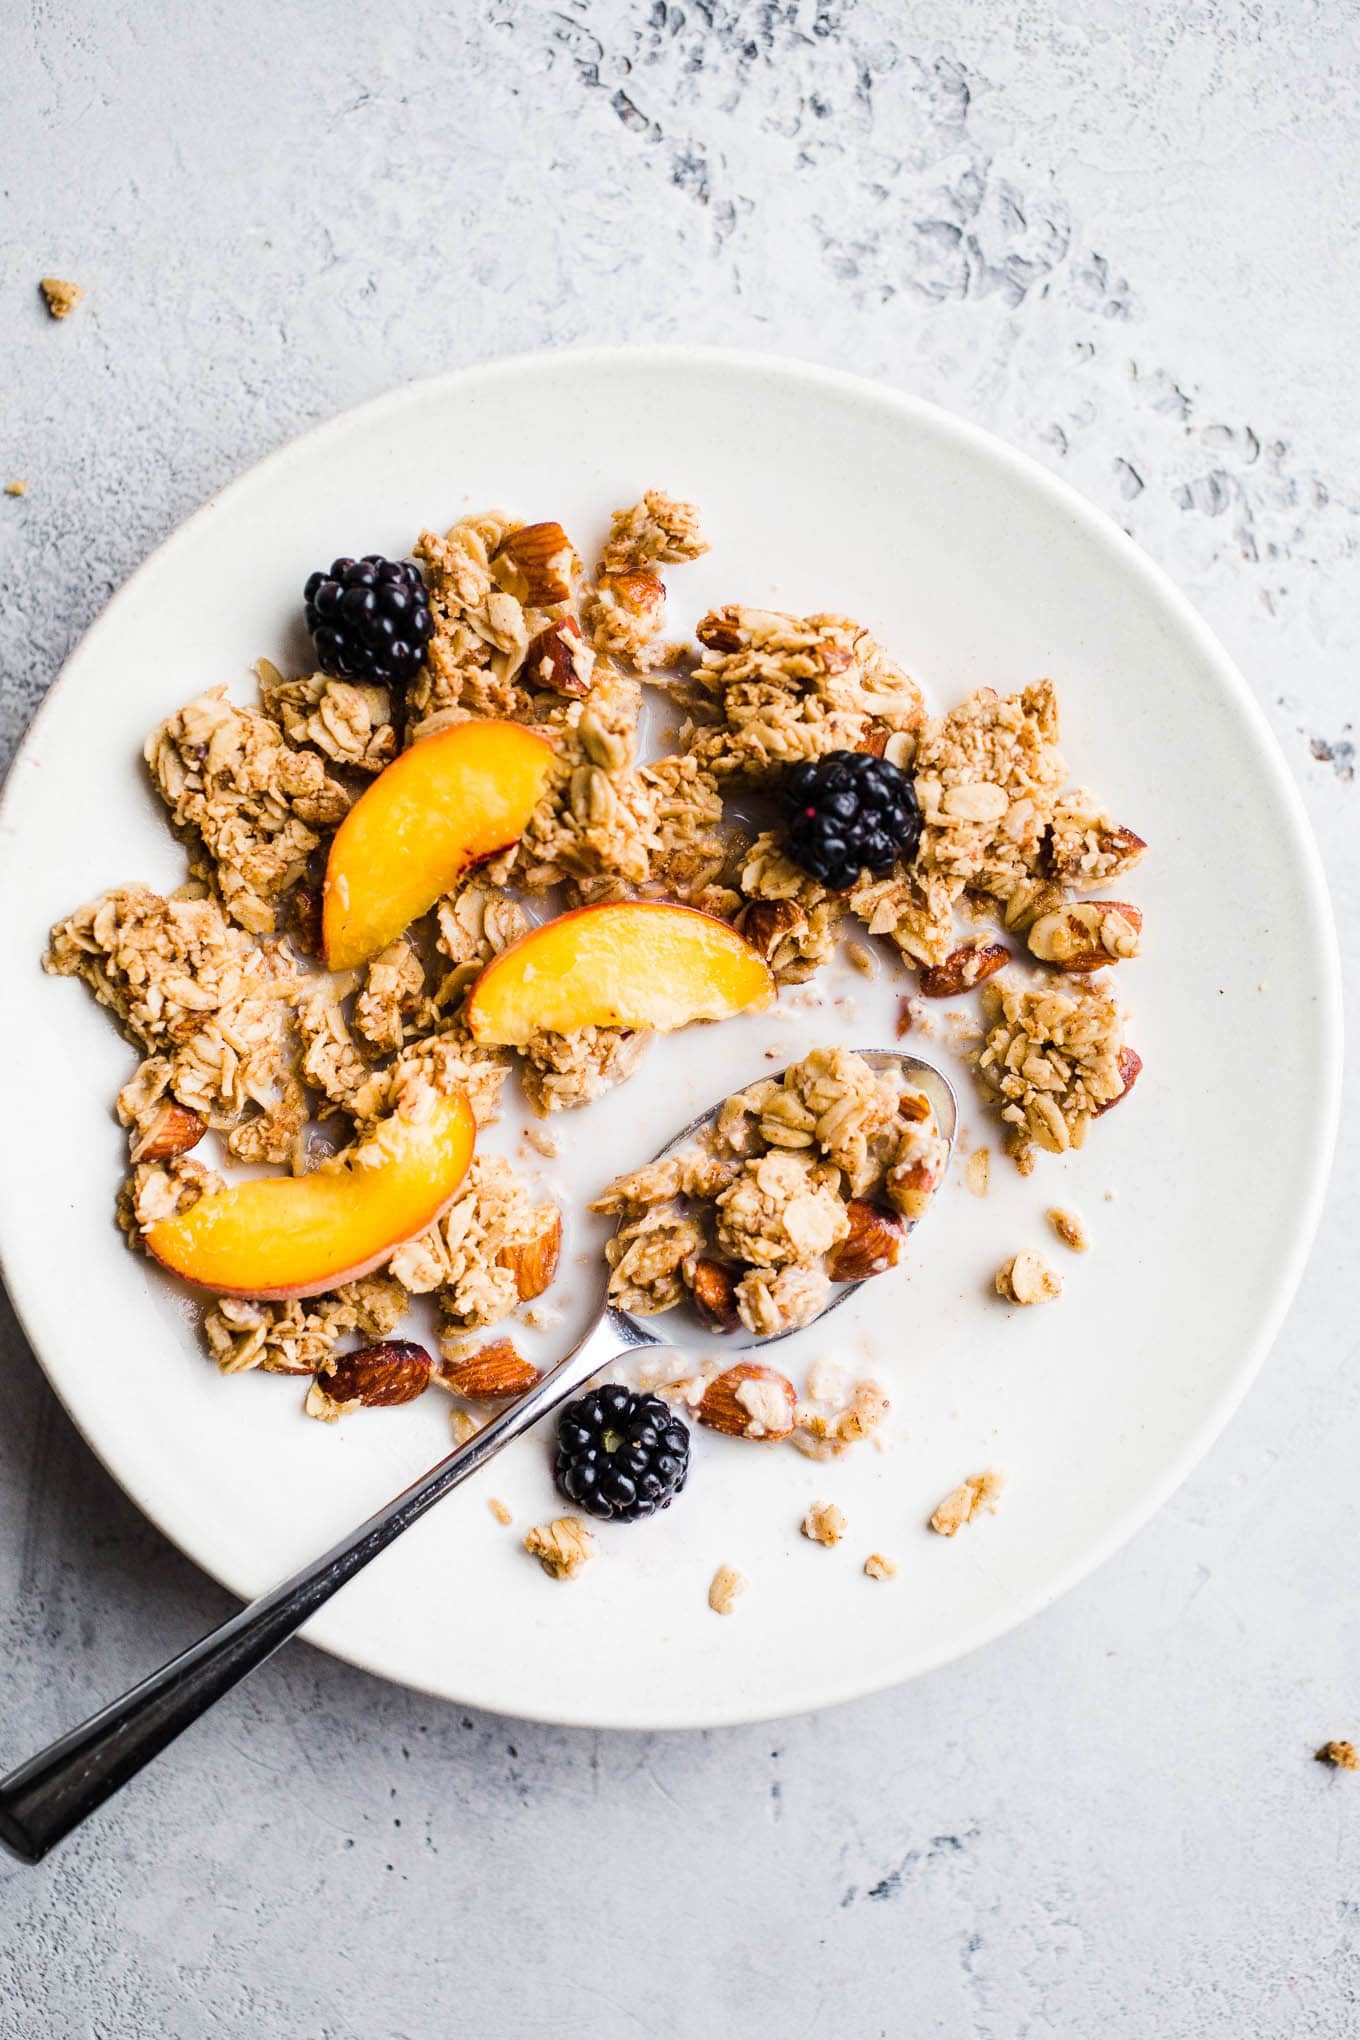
{"x":1201,"y":1194}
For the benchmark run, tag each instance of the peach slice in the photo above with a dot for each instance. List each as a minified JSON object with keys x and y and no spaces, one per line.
{"x":282,"y":1236}
{"x":441,"y":807}
{"x":637,"y":963}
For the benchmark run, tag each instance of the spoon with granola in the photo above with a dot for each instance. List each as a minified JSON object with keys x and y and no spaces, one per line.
{"x":763,"y":1214}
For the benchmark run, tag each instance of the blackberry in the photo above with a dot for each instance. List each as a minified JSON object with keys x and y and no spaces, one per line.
{"x":849,"y":812}
{"x":369,"y":619}
{"x":620,"y":1455}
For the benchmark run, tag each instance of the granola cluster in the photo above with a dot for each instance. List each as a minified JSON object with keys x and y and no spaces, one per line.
{"x":802,"y":1180}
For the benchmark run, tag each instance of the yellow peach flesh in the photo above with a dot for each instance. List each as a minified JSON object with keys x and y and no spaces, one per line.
{"x":438,"y":809}
{"x":636,"y":964}
{"x":285,"y":1236}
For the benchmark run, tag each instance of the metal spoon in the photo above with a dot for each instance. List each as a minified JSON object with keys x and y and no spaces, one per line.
{"x":56,"y":1790}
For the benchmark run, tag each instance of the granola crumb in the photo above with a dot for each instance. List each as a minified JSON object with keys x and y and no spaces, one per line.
{"x":542,"y":1142}
{"x":863,"y":958}
{"x":499,"y":1510}
{"x":62,"y":297}
{"x":561,"y":1547}
{"x":726,"y":1589}
{"x":1340,"y":1755}
{"x":1069,"y":1228}
{"x":977,"y":1173}
{"x":824,"y":1523}
{"x":16,"y":488}
{"x":1027,"y":1278}
{"x":463,"y":1425}
{"x":980,"y":1491}
{"x":879,"y":1567}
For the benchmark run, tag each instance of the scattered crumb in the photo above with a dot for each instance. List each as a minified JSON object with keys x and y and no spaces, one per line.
{"x":980,"y":1491}
{"x":824,"y":1523}
{"x":863,"y":958}
{"x":726,"y":1589}
{"x":16,"y":488}
{"x":561,"y":1547}
{"x":880,"y":1568}
{"x":542,"y":1317}
{"x":543,"y":1142}
{"x":499,"y":1510}
{"x":977,"y":1172}
{"x":62,"y":297}
{"x":910,"y":1013}
{"x":1110,"y":1196}
{"x":1069,"y":1228}
{"x":1027,"y":1278}
{"x":463,"y":1425}
{"x":1340,"y":1755}
{"x":826,"y":1381}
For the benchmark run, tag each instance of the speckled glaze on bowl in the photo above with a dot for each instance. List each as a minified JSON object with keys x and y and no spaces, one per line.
{"x":819,"y":492}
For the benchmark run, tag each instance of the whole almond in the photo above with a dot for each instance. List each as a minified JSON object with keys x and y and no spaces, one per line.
{"x":379,"y":1376}
{"x":490,"y":1371}
{"x":971,"y":964}
{"x":537,"y":564}
{"x":534,"y":1262}
{"x":560,"y":659}
{"x":875,"y":1242}
{"x":715,"y":1293}
{"x":171,"y":1130}
{"x":750,"y":1401}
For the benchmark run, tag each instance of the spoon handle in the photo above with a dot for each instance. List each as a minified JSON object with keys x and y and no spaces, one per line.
{"x":56,"y":1790}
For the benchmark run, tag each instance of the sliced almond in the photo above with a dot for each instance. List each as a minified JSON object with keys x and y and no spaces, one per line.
{"x":971,"y":964}
{"x":171,"y":1130}
{"x":559,"y":659}
{"x":715,"y":1292}
{"x":750,"y":1401}
{"x":534,"y":1262}
{"x":1086,"y":935}
{"x":537,"y":564}
{"x":488,"y":1372}
{"x":875,"y":1242}
{"x":975,"y":801}
{"x":1027,"y":1279}
{"x":1130,"y":1069}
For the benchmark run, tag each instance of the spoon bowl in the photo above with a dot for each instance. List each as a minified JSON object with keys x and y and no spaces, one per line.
{"x":924,"y":1076}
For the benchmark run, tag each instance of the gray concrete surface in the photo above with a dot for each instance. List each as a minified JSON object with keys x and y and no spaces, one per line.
{"x":1120,"y":232}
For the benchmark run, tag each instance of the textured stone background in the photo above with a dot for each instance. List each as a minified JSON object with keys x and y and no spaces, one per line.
{"x":1121,"y":234}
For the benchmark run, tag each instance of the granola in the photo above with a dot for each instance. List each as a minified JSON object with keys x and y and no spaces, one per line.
{"x":766,"y":1194}
{"x":256,"y":806}
{"x":1051,"y":1057}
{"x":1027,"y":1279}
{"x":980,"y":1491}
{"x":824,"y":1523}
{"x":725,"y":1589}
{"x":561,"y":1547}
